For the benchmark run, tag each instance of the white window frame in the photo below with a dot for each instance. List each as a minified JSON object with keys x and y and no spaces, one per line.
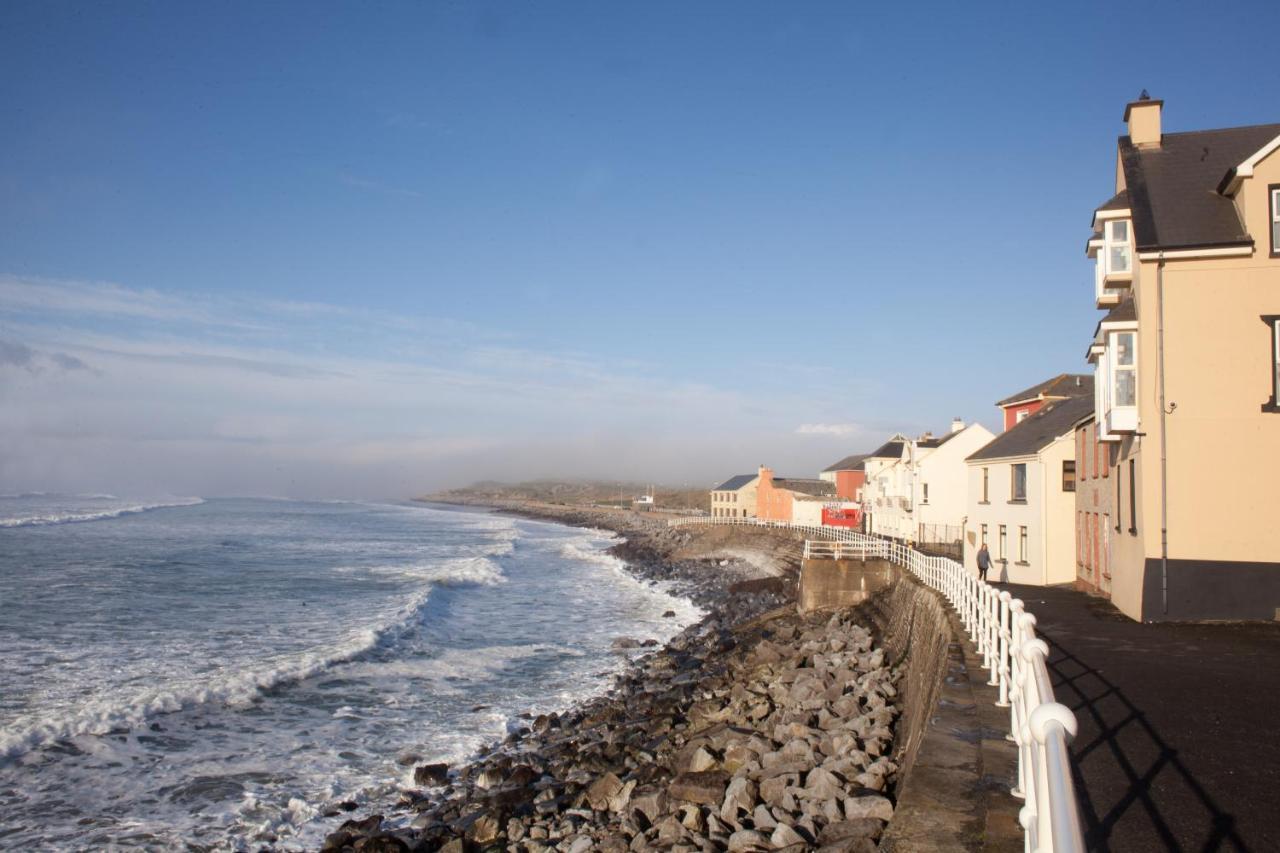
{"x":1273,"y":326}
{"x":1274,"y":196}
{"x":1022,"y":543}
{"x":1119,"y":417}
{"x":1003,"y":533}
{"x":1110,"y":242}
{"x":1013,"y":481}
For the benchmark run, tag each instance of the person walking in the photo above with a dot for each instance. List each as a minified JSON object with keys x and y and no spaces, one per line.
{"x":984,"y":562}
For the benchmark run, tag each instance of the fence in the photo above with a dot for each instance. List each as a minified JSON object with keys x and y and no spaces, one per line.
{"x":1004,"y":634}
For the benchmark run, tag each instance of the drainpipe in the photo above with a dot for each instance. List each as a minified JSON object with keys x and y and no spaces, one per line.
{"x":1164,"y":447}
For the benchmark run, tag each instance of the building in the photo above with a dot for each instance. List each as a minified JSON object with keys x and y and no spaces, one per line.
{"x":1026,"y":403}
{"x":848,"y":475}
{"x":916,"y":488}
{"x":1021,"y":497}
{"x":735,"y":497}
{"x":792,"y":499}
{"x":1096,"y":494}
{"x":1187,"y":361}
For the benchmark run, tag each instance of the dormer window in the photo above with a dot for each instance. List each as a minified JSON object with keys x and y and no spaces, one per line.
{"x":1116,"y":251}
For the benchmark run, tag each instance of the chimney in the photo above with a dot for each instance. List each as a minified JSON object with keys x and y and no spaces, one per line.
{"x":926,"y":436}
{"x":956,"y":425}
{"x":1143,"y":118}
{"x":766,"y":475}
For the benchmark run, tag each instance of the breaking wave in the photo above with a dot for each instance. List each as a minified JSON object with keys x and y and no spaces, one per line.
{"x":75,"y":516}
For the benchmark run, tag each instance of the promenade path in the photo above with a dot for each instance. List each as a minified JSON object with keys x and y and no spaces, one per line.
{"x":1179,"y":740}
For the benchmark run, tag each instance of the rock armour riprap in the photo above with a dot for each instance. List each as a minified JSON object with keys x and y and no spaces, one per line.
{"x":777,"y":735}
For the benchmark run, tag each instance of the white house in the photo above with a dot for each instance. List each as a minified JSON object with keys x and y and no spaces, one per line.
{"x":921,"y":494}
{"x":1021,"y":497}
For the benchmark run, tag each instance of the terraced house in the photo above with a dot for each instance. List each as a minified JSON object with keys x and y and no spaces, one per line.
{"x":1187,"y":372}
{"x":735,"y":497}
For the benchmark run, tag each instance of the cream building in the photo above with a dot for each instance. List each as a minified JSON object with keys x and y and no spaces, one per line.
{"x":735,"y":497}
{"x":1187,"y":361}
{"x":1021,"y":497}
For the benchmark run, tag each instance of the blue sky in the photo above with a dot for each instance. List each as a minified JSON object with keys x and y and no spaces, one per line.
{"x":373,"y":249}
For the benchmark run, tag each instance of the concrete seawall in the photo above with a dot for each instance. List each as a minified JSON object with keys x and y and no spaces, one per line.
{"x":956,"y":767}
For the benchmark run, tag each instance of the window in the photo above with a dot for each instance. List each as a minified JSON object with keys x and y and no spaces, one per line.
{"x":925,"y":495}
{"x":1018,"y":482}
{"x":1124,"y":364}
{"x":1116,"y":238}
{"x":1275,"y":218}
{"x":1133,"y":497}
{"x":984,"y":535}
{"x":1273,"y":323}
{"x":1068,"y":475}
{"x":986,"y":484}
{"x":1004,"y":543}
{"x":1021,"y":416}
{"x":1022,"y":544}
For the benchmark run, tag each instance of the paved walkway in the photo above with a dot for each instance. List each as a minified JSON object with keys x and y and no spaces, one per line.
{"x":1179,"y":741}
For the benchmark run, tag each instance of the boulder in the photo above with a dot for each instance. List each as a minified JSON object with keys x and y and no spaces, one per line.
{"x":748,"y":840}
{"x":430,"y":774}
{"x":706,"y":788}
{"x":602,"y":790}
{"x":740,"y":796}
{"x":868,"y":806}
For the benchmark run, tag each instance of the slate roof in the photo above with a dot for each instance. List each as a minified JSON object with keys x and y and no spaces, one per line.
{"x":1175,"y":187}
{"x":891,"y":449}
{"x":735,"y":482}
{"x":1062,"y":385}
{"x":1119,"y":201}
{"x":1123,"y":312}
{"x":857,"y":462}
{"x":805,"y":486}
{"x":1038,"y":431}
{"x":936,"y":441}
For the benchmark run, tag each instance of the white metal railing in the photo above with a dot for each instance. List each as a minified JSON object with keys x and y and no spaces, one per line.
{"x":820,"y":550}
{"x":1005,"y":636}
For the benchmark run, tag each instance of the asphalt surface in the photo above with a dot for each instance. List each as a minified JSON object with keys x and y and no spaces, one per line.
{"x":1178,"y":747}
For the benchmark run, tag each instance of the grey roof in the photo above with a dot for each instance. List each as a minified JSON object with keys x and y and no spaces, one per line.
{"x":1038,"y":431}
{"x":735,"y":482}
{"x":857,"y":462}
{"x":805,"y":486}
{"x":1175,"y":188}
{"x":936,"y":441}
{"x":1062,"y":385}
{"x":891,"y":449}
{"x":1119,"y":201}
{"x":1126,"y":311}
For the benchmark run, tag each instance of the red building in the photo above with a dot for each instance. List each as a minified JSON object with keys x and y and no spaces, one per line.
{"x":848,"y":475}
{"x":1022,"y":405}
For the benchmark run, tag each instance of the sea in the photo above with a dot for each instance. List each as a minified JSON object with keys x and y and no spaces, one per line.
{"x":179,"y":673}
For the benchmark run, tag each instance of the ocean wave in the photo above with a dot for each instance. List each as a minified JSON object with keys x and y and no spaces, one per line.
{"x":72,"y":517}
{"x":105,"y":716}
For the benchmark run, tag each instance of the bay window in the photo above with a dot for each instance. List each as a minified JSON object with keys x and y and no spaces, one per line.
{"x":1120,"y":396}
{"x":1117,"y":254}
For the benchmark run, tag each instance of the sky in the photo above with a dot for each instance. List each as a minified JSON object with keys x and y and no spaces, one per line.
{"x":373,"y":250}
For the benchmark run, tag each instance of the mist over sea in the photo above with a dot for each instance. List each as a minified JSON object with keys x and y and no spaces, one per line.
{"x":223,"y":671}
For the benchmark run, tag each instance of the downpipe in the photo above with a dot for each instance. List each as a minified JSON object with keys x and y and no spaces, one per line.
{"x":1164,"y":446}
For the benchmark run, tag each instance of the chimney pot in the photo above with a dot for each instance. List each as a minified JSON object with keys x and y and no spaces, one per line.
{"x":957,"y":424}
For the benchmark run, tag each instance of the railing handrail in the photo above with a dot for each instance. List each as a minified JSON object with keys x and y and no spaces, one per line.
{"x":1005,"y":636}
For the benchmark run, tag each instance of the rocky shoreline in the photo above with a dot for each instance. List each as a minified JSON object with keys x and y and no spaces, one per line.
{"x":754,"y":729}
